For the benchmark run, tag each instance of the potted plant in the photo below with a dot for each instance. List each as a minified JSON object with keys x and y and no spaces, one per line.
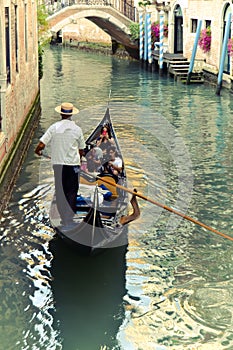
{"x":205,"y":39}
{"x":144,"y":3}
{"x":134,"y":31}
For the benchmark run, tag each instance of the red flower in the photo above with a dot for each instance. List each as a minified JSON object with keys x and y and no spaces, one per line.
{"x":230,"y":47}
{"x":205,"y":39}
{"x":155,"y":31}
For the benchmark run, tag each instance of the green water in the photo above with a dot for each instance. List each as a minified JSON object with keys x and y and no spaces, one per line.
{"x":172,"y":288}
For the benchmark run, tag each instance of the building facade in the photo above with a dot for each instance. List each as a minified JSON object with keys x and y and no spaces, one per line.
{"x":182,"y":17}
{"x":19,"y":85}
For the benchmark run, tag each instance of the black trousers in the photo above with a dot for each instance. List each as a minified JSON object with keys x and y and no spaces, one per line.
{"x":66,"y":189}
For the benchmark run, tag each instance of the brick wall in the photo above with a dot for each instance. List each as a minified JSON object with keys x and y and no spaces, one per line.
{"x":18,"y":96}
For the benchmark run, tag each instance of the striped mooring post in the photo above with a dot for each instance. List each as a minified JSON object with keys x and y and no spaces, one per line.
{"x":145,"y":39}
{"x":161,"y":39}
{"x":149,"y":51}
{"x":141,"y":35}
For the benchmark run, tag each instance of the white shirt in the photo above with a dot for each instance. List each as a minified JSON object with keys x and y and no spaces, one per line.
{"x":66,"y":139}
{"x":117,"y":162}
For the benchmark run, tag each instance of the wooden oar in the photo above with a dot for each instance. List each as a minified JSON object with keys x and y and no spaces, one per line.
{"x":186,"y":217}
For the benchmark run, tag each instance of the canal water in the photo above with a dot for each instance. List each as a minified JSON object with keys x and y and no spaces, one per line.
{"x":172,"y":288}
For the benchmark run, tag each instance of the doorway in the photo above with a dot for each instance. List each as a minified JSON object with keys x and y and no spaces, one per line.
{"x":178,"y":30}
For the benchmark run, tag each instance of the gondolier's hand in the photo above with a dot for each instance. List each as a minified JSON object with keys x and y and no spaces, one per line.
{"x":39,"y":148}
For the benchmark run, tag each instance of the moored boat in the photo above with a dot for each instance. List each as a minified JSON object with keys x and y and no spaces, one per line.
{"x":101,"y":201}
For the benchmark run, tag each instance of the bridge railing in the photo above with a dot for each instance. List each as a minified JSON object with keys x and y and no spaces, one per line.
{"x":122,"y":6}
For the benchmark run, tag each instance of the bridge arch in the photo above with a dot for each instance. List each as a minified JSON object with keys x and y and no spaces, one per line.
{"x":105,"y":17}
{"x":93,"y":16}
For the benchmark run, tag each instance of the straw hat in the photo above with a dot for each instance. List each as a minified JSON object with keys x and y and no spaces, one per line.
{"x":66,"y":108}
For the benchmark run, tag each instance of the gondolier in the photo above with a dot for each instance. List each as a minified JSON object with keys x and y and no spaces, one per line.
{"x":67,"y":147}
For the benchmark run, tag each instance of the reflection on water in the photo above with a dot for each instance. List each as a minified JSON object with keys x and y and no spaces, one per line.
{"x":172,"y":289}
{"x":89,"y":299}
{"x":190,"y":290}
{"x":26,"y":297}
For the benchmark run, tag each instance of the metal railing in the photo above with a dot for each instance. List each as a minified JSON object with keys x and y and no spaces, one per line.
{"x":125,"y":8}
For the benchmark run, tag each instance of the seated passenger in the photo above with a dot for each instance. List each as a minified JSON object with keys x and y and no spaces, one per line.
{"x":114,"y":163}
{"x":94,"y":159}
{"x":105,"y":136}
{"x":104,"y":146}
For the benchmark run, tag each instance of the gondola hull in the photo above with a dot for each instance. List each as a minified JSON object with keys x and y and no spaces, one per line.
{"x":96,"y":224}
{"x":92,"y":236}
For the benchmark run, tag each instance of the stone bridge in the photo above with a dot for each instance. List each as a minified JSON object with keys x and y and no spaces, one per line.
{"x":109,"y":19}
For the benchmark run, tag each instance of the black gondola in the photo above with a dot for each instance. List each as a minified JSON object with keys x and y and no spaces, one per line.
{"x":97,"y":218}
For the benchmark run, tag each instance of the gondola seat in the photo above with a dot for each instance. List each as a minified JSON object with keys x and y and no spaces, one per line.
{"x":111,"y":185}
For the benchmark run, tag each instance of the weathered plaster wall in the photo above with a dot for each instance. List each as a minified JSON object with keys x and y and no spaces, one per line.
{"x":85,"y":30}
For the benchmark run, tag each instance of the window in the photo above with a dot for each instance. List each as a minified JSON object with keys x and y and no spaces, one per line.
{"x":193,"y":25}
{"x":207,"y":23}
{"x":7,"y":41}
{"x":16,"y":40}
